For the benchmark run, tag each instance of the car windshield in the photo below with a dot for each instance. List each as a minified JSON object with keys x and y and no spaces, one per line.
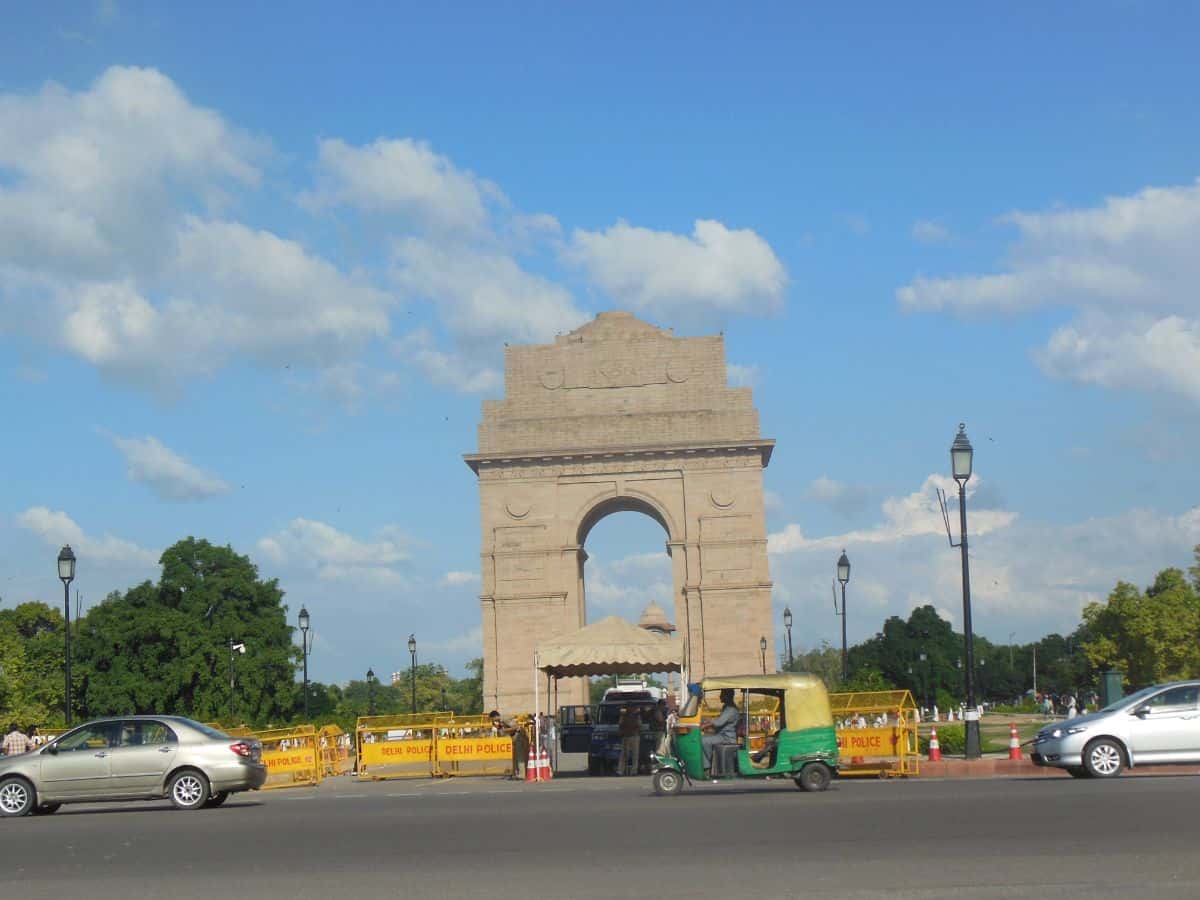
{"x":1124,"y":701}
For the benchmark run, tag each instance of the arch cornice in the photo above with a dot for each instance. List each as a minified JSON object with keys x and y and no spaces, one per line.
{"x":478,"y":461}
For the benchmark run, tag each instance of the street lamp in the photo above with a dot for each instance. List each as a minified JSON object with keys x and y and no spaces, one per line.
{"x":762,"y":649}
{"x":370,"y":692}
{"x":66,"y":572}
{"x":305,"y":647}
{"x":961,"y":459}
{"x":843,"y":575}
{"x":444,"y":708}
{"x":412,"y":652}
{"x":787,"y":624}
{"x":234,"y":647}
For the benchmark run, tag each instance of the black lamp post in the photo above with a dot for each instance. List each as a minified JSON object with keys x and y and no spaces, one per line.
{"x":843,"y":575}
{"x":762,"y":649}
{"x":370,"y":692}
{"x":961,"y":459}
{"x":304,"y":623}
{"x":234,"y":648}
{"x":787,"y":624}
{"x":444,"y":708}
{"x":412,"y":652}
{"x":66,"y":572}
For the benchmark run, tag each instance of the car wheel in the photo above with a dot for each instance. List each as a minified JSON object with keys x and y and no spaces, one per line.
{"x":1103,"y":758}
{"x":814,"y":777}
{"x":667,"y":782}
{"x":1078,"y":772}
{"x":46,"y":809}
{"x":16,"y":797}
{"x":217,"y":799}
{"x":188,"y":789}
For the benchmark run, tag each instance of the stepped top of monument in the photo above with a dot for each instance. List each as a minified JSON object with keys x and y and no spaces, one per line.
{"x":616,"y":382}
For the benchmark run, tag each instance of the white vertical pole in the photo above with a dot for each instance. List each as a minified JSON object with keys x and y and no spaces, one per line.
{"x":537,"y":712}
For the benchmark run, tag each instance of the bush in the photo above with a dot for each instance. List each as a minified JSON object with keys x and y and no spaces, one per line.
{"x":952,"y":739}
{"x":1026,"y":708}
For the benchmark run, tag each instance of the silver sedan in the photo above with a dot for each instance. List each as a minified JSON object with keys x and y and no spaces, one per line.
{"x":131,"y":758}
{"x":1157,"y":725}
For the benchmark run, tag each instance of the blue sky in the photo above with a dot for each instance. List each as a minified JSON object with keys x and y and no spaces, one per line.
{"x":257,"y":269}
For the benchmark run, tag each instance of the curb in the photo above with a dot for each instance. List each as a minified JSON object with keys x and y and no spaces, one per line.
{"x":1024,"y":768}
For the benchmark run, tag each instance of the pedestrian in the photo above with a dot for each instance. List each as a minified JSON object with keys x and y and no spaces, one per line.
{"x":16,"y":742}
{"x":630,"y":728}
{"x":1069,"y":703}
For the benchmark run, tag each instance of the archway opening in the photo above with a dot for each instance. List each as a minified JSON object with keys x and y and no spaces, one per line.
{"x":624,"y":567}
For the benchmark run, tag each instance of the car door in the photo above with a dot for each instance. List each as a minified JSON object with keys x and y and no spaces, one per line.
{"x":141,"y":762}
{"x":1166,"y":727}
{"x":77,"y":765}
{"x":575,"y":728}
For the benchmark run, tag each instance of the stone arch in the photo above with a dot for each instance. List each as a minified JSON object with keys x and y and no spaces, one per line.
{"x":619,"y":415}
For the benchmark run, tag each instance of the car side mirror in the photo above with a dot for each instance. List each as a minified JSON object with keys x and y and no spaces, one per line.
{"x":52,"y":749}
{"x":1142,"y":711}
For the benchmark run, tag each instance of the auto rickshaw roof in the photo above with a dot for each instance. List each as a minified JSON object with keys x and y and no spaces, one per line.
{"x":805,"y":700}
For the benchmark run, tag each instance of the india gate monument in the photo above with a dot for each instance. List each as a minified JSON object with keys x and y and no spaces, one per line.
{"x":619,"y":415}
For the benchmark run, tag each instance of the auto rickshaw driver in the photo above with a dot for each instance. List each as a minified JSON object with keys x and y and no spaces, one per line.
{"x":720,"y":730}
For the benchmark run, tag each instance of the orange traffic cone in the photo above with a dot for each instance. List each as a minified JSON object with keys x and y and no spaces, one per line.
{"x":1014,"y":742}
{"x":544,"y":770}
{"x":935,"y":749}
{"x":531,"y":766}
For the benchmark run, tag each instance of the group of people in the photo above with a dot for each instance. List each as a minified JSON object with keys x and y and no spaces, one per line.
{"x":520,"y":730}
{"x":629,"y":726}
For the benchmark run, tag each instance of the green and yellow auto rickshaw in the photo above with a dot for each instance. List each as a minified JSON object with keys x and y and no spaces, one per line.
{"x":785,"y":729}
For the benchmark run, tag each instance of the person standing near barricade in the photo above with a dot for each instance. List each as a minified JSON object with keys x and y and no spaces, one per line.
{"x":16,"y":742}
{"x":520,"y":743}
{"x":630,"y":727}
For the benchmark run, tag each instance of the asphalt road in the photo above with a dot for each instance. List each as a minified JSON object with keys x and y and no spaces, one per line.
{"x":607,"y":838}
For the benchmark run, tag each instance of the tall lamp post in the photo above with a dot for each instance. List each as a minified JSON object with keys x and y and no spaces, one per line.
{"x":787,"y":624}
{"x":961,"y":459}
{"x":234,"y":647}
{"x":370,"y":692}
{"x":412,"y":652}
{"x":66,"y":572}
{"x":762,"y":649}
{"x":843,"y":575}
{"x":304,"y":646}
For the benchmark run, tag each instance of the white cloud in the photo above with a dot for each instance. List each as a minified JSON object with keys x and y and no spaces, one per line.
{"x":927,"y":232}
{"x":484,"y":296}
{"x":402,"y":176}
{"x":742,"y":376}
{"x":625,"y":586}
{"x":458,"y":579}
{"x":448,"y":370}
{"x":1127,"y":267}
{"x":56,"y":528}
{"x":96,"y":173}
{"x":337,"y":556}
{"x":469,"y":642}
{"x":169,"y":475}
{"x":714,"y":270}
{"x":904,"y":517}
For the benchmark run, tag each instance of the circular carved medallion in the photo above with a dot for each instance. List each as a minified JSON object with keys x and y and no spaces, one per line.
{"x":678,"y":372}
{"x":721,"y":499}
{"x":516,"y":509}
{"x":551,"y":379}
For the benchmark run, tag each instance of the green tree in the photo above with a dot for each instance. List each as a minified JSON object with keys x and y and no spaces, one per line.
{"x":1151,"y":636}
{"x":31,"y":665}
{"x":165,"y":647}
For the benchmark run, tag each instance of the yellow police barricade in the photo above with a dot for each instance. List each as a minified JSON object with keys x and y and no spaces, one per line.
{"x":876,"y":733}
{"x":465,"y":745}
{"x":397,"y":746}
{"x":291,"y":756}
{"x":334,"y":746}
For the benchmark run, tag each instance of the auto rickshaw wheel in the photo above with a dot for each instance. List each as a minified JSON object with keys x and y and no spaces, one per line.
{"x":815,"y":776}
{"x":667,"y":782}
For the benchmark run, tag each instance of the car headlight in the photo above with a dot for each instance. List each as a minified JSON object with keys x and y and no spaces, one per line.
{"x":1056,"y":733}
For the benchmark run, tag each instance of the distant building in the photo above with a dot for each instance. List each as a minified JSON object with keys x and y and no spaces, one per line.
{"x":654,"y":619}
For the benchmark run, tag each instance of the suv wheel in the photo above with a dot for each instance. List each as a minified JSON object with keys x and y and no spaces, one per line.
{"x":1103,"y":758}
